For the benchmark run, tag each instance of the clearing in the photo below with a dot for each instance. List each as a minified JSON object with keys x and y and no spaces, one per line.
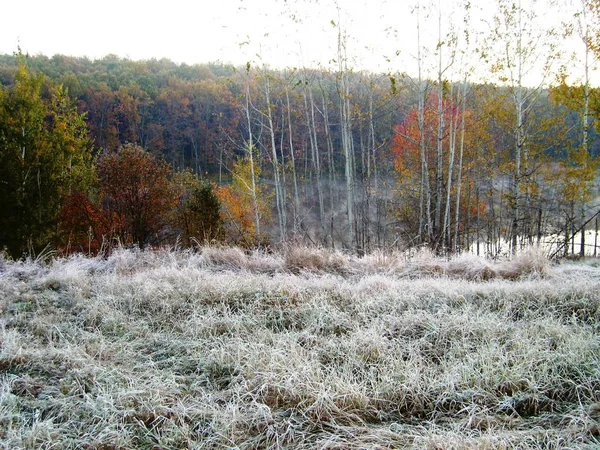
{"x":217,"y":348}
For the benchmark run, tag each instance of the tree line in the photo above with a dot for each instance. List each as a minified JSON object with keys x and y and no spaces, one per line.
{"x":94,"y":152}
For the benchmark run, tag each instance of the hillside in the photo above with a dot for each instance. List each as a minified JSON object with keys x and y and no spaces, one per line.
{"x":393,"y":162}
{"x":217,"y":348}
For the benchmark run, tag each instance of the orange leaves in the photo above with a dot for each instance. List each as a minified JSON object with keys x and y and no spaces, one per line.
{"x":407,"y":141}
{"x":237,"y":210}
{"x":405,"y":146}
{"x":136,"y":187}
{"x":86,"y":227}
{"x":245,"y":203}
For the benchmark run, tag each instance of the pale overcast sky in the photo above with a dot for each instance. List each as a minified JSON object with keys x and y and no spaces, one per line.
{"x":190,"y":31}
{"x":281,"y":33}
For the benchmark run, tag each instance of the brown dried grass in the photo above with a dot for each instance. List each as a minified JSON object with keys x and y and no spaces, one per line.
{"x":213,"y":349}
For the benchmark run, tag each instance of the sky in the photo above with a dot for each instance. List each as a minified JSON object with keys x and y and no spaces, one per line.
{"x":187,"y":31}
{"x":280,"y":33}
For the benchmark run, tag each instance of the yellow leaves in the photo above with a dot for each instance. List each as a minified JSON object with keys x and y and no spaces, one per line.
{"x":403,"y":171}
{"x":570,"y":96}
{"x":497,"y":67}
{"x":236,"y":210}
{"x":577,"y":172}
{"x":245,"y":202}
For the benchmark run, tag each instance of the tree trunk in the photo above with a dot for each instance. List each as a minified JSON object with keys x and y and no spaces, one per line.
{"x":293,"y":160}
{"x":347,"y":144}
{"x":316,"y":157}
{"x":452,"y":129}
{"x":460,"y":165}
{"x":425,"y":223}
{"x":439,"y":179}
{"x":280,"y":202}
{"x":333,"y":200}
{"x":250,"y":152}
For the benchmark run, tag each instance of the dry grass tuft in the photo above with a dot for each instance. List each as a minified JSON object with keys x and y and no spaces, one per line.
{"x":297,"y":259}
{"x":379,"y":262}
{"x":531,"y":262}
{"x":471,"y":267}
{"x":227,"y":257}
{"x":263,"y":262}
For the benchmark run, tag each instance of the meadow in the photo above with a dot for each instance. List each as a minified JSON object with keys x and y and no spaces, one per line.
{"x":305,"y":349}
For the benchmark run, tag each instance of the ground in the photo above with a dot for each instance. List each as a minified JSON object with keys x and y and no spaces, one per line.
{"x":218,"y":348}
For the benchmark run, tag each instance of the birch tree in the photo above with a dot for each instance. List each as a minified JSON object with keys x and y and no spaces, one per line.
{"x":296,"y":218}
{"x":520,"y":51}
{"x":251,"y":185}
{"x":279,"y":191}
{"x":425,"y":220}
{"x":346,"y":130}
{"x":309,"y":109}
{"x":579,"y":169}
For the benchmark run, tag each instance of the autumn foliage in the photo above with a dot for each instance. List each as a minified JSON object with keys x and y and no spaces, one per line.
{"x":133,"y":205}
{"x":86,"y":227}
{"x":44,"y":155}
{"x":406,"y":146}
{"x":415,"y":152}
{"x":244,"y":204}
{"x":95,"y":153}
{"x":136,"y":188}
{"x":138,"y":201}
{"x":199,"y":216}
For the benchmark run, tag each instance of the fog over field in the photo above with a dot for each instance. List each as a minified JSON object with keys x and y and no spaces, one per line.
{"x":221,"y":348}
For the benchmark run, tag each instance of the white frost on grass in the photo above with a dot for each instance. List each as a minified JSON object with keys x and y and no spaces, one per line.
{"x":220,"y":348}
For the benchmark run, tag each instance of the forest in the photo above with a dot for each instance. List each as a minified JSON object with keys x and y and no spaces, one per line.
{"x":112,"y":151}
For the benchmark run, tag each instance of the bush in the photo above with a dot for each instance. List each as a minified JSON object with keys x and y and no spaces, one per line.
{"x":137,"y":188}
{"x":199,"y":216}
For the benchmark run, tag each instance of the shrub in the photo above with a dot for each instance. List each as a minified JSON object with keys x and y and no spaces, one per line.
{"x":199,"y":216}
{"x":138,"y":189}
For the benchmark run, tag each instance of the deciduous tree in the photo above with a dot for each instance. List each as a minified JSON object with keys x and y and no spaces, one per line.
{"x":137,"y":187}
{"x":245,"y":203}
{"x":199,"y":215}
{"x":44,"y":155}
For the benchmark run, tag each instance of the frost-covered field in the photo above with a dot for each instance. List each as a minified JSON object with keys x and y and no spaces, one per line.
{"x":219,"y":349}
